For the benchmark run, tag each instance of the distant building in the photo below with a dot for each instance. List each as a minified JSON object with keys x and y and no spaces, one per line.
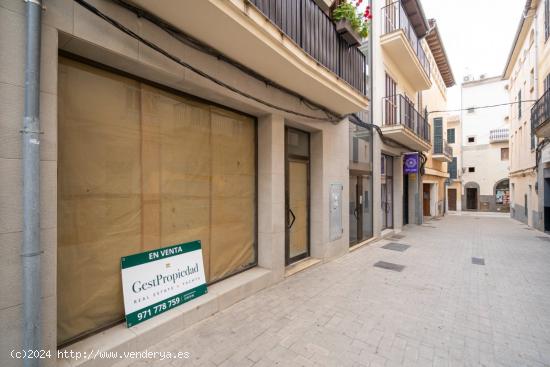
{"x":485,"y":151}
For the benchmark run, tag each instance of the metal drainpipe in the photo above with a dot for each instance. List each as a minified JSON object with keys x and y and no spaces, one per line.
{"x":30,"y":251}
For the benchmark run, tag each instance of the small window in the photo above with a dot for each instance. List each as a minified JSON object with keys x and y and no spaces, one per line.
{"x":471,"y":169}
{"x":504,"y":154}
{"x":451,"y":136}
{"x":519,"y":104}
{"x":471,"y":139}
{"x":471,"y":110}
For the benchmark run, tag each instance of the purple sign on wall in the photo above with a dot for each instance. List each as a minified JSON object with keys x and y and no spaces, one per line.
{"x":410,"y":163}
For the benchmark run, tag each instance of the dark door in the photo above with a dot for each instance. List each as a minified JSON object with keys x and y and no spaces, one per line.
{"x":426,"y":199}
{"x":471,"y":198}
{"x":297,"y":195}
{"x":405,"y":199}
{"x":546,"y":201}
{"x":452,"y":199}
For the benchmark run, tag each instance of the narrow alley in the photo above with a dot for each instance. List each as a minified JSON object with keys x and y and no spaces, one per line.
{"x":441,"y":309}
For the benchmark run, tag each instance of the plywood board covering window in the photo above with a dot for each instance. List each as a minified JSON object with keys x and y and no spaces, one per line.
{"x":142,"y":168}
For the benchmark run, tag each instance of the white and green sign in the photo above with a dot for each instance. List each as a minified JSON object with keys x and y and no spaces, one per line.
{"x":156,"y":281}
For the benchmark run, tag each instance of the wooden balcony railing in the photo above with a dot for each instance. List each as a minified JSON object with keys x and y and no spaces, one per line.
{"x":307,"y":25}
{"x":398,"y":110}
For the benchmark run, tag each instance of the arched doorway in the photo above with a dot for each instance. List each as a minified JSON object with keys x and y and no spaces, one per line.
{"x":502,"y":195}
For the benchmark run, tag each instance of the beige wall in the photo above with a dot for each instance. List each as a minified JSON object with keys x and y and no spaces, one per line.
{"x":68,"y":26}
{"x":529,"y":66}
{"x":434,"y":98}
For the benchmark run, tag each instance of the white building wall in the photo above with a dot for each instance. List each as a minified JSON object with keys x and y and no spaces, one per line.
{"x":483,"y":155}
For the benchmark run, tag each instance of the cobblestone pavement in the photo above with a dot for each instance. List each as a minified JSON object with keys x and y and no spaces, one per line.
{"x":441,"y":310}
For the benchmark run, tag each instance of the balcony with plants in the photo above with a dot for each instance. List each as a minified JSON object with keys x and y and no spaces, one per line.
{"x":292,"y":43}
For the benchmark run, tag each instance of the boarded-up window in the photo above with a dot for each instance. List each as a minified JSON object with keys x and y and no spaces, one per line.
{"x":141,"y":168}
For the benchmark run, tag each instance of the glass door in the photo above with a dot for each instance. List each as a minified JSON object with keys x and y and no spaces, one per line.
{"x":354,"y":210}
{"x":297,"y":195}
{"x":360,"y":217}
{"x":387,"y":191}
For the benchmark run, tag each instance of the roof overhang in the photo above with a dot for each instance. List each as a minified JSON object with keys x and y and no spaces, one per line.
{"x":414,"y":10}
{"x":438,"y":51}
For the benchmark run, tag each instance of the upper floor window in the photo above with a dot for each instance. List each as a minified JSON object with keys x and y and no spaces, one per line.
{"x":504,"y":154}
{"x":451,"y":139}
{"x":519,"y":104}
{"x":471,"y":139}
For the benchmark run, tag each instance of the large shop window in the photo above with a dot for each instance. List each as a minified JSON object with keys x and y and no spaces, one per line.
{"x":141,"y":168}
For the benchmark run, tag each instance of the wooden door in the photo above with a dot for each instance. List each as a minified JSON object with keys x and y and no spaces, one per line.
{"x":426,"y":199}
{"x":452,"y":199}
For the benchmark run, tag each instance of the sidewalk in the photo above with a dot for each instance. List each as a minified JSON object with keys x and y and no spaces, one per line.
{"x":440,"y":310}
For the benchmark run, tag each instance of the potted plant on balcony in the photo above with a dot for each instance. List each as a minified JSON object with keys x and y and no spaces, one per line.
{"x":350,"y":24}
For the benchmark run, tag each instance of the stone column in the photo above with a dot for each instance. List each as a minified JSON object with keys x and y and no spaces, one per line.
{"x":271,"y":195}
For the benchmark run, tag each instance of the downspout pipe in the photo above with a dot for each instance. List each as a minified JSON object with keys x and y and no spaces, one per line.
{"x":30,"y":249}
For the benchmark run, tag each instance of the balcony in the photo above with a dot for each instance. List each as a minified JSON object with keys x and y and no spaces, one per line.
{"x":442,"y":151}
{"x":540,"y":116}
{"x":499,"y":135}
{"x":292,"y":42}
{"x":403,"y":46}
{"x":402,"y":123}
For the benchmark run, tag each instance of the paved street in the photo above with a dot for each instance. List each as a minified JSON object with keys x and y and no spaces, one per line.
{"x":440,"y":310}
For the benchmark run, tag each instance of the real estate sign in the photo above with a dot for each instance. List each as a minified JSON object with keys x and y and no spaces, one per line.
{"x":156,"y":281}
{"x":410,"y":163}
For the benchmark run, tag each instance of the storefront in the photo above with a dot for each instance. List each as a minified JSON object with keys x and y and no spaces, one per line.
{"x":142,"y":167}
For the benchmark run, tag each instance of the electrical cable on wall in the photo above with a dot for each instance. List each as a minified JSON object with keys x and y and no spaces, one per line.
{"x":334,"y":117}
{"x":482,"y":107}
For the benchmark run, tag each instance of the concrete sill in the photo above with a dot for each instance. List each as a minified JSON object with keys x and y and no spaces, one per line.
{"x":364,"y":243}
{"x":301,"y":265}
{"x":121,"y":339}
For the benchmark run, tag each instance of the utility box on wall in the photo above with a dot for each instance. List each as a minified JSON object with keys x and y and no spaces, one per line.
{"x":335,"y":207}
